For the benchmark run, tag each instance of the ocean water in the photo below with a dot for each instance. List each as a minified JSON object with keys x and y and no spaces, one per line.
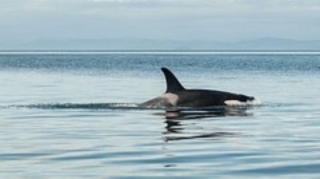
{"x":73,"y":115}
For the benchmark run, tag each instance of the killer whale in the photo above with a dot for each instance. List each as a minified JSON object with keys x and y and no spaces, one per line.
{"x":178,"y":96}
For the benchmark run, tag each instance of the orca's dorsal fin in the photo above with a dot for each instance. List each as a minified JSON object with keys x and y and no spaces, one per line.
{"x":173,"y":84}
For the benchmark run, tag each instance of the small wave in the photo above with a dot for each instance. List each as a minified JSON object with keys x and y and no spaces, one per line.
{"x":178,"y":113}
{"x":78,"y":106}
{"x":189,"y":111}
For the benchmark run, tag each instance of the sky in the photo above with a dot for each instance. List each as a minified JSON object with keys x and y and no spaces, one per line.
{"x":23,"y":21}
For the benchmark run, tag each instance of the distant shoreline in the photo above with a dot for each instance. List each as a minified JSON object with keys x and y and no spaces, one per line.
{"x":84,"y":51}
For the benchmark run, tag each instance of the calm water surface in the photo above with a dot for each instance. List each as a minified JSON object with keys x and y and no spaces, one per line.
{"x":73,"y":116}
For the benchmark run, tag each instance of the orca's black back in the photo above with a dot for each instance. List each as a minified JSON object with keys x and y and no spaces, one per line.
{"x":207,"y":98}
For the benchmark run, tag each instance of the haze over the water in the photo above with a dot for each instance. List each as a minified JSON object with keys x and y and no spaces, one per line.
{"x":159,"y":24}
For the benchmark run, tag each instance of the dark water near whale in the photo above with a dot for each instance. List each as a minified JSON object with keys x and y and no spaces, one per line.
{"x":74,"y":115}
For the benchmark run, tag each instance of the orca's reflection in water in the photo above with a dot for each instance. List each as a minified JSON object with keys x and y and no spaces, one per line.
{"x":201,"y":113}
{"x":176,"y":122}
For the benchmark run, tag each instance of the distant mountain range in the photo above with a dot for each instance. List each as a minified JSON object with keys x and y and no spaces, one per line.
{"x":263,"y":44}
{"x":277,"y":44}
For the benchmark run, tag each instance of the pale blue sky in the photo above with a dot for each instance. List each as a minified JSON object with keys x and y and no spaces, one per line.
{"x":219,"y":20}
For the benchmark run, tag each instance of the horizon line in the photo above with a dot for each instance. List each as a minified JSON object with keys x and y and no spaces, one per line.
{"x":156,"y":51}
